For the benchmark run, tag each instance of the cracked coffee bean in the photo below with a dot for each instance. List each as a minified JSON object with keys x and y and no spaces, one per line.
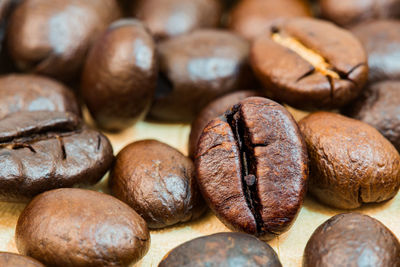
{"x":24,"y":92}
{"x":158,"y":182}
{"x":77,"y":227}
{"x":16,"y":260}
{"x":222,"y":250}
{"x":351,"y":163}
{"x":352,"y":239}
{"x":251,"y":166}
{"x":42,"y":150}
{"x":120,"y":75}
{"x":309,"y":63}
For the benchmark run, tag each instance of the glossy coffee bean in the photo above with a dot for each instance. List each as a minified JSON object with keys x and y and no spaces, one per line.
{"x":158,"y":182}
{"x":24,"y":92}
{"x":42,"y":150}
{"x":197,"y":68}
{"x":253,"y":18}
{"x":77,"y":227}
{"x":309,"y":63}
{"x":120,"y":75}
{"x":352,"y":239}
{"x":251,"y":166}
{"x":222,"y":250}
{"x":53,"y":37}
{"x":14,"y":260}
{"x":351,"y":163}
{"x":381,"y":40}
{"x":168,"y":18}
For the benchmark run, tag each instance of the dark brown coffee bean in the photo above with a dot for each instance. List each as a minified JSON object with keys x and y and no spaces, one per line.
{"x":197,"y":68}
{"x":251,"y":166}
{"x":167,"y":18}
{"x":352,"y":239}
{"x":158,"y":182}
{"x":77,"y":227}
{"x":309,"y":63}
{"x":381,"y":40}
{"x":15,"y":260}
{"x":42,"y":150}
{"x":52,"y":38}
{"x":351,"y":163}
{"x":253,"y":18}
{"x":120,"y":75}
{"x":222,"y":250}
{"x":25,"y":92}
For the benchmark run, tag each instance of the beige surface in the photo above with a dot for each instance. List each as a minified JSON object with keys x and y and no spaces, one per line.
{"x":289,"y":246}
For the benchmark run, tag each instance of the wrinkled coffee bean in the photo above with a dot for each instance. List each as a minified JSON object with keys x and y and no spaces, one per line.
{"x":251,"y":166}
{"x":309,"y":63}
{"x":42,"y":150}
{"x":216,"y":108}
{"x":120,"y":75}
{"x":351,"y":163}
{"x":24,"y":92}
{"x":350,"y":12}
{"x":52,"y":38}
{"x":381,"y":40}
{"x":77,"y":227}
{"x":158,"y":182}
{"x":253,"y":18}
{"x":197,"y":68}
{"x":15,"y":260}
{"x":222,"y":250}
{"x":352,"y":239}
{"x":168,"y":18}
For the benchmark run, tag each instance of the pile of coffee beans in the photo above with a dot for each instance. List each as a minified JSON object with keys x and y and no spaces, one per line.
{"x":71,"y":69}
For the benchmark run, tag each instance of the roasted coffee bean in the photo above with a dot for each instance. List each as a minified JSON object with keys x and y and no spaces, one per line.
{"x":251,"y":166}
{"x":216,"y":108}
{"x":310,"y":64}
{"x":222,"y":250}
{"x":158,"y":182}
{"x":120,"y":75}
{"x":350,"y":12}
{"x":351,"y":163}
{"x":52,"y":37}
{"x":168,"y":18}
{"x":77,"y":227}
{"x":42,"y":150}
{"x":15,"y":260}
{"x":197,"y":68}
{"x":253,"y":18}
{"x":352,"y":239}
{"x":381,"y":40}
{"x":23,"y":92}
{"x":6,"y":9}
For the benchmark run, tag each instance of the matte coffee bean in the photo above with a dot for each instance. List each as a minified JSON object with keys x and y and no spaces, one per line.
{"x":351,"y":163}
{"x":158,"y":182}
{"x":251,"y":166}
{"x":352,"y":239}
{"x":309,"y":63}
{"x":222,"y":250}
{"x":24,"y":92}
{"x":168,"y":18}
{"x":52,"y":38}
{"x":197,"y":68}
{"x":15,"y":260}
{"x":42,"y":150}
{"x":77,"y":227}
{"x":120,"y":75}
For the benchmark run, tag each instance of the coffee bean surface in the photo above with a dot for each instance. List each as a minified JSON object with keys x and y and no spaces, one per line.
{"x":15,"y":260}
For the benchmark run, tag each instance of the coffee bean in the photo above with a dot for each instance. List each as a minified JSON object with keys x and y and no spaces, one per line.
{"x":42,"y":150}
{"x":309,"y":63}
{"x":158,"y":182}
{"x":120,"y":75}
{"x":352,"y":239}
{"x":351,"y":163}
{"x":257,"y":137}
{"x":15,"y":260}
{"x":24,"y":92}
{"x":222,"y":250}
{"x":53,"y":39}
{"x":77,"y":227}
